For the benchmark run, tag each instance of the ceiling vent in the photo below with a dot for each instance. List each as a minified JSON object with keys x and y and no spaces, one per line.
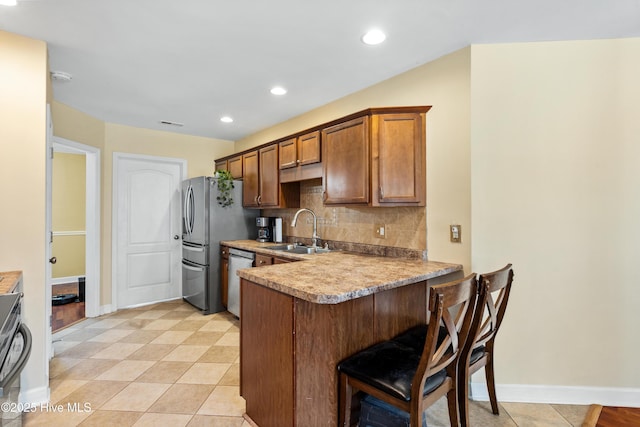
{"x":61,"y":76}
{"x":168,"y":123}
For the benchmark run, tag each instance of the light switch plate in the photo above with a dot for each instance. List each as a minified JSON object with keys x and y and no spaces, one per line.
{"x":455,"y":233}
{"x":380,"y":231}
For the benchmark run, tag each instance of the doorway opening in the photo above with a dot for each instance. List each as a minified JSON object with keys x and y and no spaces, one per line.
{"x":75,"y":233}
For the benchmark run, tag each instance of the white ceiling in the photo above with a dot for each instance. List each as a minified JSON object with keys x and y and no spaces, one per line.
{"x":137,"y":62}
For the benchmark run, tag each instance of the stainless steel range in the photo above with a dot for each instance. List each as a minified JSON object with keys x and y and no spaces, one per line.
{"x":15,"y":348}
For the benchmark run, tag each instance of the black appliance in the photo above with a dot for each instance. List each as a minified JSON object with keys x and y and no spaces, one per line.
{"x":15,"y":348}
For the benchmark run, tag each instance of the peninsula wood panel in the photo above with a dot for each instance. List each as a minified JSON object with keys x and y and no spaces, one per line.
{"x":389,"y":321}
{"x":290,"y":348}
{"x":326,"y":334}
{"x":266,"y":362}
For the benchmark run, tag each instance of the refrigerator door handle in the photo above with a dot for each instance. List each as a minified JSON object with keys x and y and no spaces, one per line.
{"x":193,"y":248}
{"x":190,"y":267}
{"x":185,"y":210}
{"x":192,"y":209}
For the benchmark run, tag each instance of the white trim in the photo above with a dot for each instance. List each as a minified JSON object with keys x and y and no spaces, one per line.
{"x":573,"y":395}
{"x":68,"y":233}
{"x":106,"y":309}
{"x":35,"y":396}
{"x":117,"y":157}
{"x":92,"y":215}
{"x":66,"y":280}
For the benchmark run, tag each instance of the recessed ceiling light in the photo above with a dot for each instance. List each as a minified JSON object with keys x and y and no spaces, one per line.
{"x":278,"y":90}
{"x":8,"y":2}
{"x":226,"y":119}
{"x":373,"y":37}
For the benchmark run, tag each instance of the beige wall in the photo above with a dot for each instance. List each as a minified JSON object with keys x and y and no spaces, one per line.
{"x":111,"y":138}
{"x":444,"y":84}
{"x":23,"y":85}
{"x":555,"y":146}
{"x":68,"y":214}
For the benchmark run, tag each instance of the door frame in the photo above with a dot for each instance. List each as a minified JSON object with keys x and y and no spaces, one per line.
{"x":92,"y":220}
{"x":117,"y":158}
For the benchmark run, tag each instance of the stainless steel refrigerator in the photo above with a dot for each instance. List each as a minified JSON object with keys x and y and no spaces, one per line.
{"x":204,"y":224}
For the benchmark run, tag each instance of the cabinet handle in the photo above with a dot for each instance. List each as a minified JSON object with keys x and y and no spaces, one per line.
{"x":260,"y":199}
{"x":255,"y":199}
{"x":381,"y":193}
{"x":297,"y":161}
{"x":289,"y":163}
{"x":324,"y":196}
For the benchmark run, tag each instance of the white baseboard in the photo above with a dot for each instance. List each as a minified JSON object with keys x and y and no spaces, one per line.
{"x":106,"y":309}
{"x":65,"y":280}
{"x":35,"y":397}
{"x":608,"y":396}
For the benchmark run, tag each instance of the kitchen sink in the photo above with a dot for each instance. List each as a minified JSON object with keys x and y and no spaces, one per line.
{"x":299,"y":249}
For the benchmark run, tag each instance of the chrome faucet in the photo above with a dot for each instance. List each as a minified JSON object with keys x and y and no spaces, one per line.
{"x":314,"y":237}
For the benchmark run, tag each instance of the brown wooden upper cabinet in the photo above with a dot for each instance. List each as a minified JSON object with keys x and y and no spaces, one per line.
{"x":375,"y":157}
{"x":300,"y":151}
{"x":398,"y":157}
{"x":262,"y":187}
{"x":221,"y":165}
{"x":345,"y":160}
{"x":375,"y":160}
{"x":233,"y":165}
{"x":251,"y":179}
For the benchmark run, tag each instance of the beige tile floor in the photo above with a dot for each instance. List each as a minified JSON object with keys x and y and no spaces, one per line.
{"x":167,"y":364}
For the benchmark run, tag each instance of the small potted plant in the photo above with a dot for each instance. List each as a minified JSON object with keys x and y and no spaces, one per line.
{"x":225,"y":185}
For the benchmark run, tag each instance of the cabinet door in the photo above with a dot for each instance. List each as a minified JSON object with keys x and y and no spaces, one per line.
{"x":221,"y":165}
{"x":398,"y":159}
{"x":224,"y":274}
{"x":234,"y":166}
{"x":250,"y":187}
{"x":345,"y":159}
{"x":309,"y":148}
{"x":288,"y":154}
{"x":269,"y":194}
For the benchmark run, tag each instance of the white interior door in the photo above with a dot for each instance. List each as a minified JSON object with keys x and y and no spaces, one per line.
{"x":147,"y":228}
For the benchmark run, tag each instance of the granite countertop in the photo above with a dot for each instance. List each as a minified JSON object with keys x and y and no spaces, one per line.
{"x":9,"y":281}
{"x":337,"y":276}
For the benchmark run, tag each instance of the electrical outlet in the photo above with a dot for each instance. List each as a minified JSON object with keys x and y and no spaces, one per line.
{"x":455,"y":233}
{"x":380,"y":231}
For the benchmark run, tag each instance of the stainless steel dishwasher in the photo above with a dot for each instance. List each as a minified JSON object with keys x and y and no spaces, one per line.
{"x":238,"y":259}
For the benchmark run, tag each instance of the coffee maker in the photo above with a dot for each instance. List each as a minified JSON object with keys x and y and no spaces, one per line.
{"x":264,"y":229}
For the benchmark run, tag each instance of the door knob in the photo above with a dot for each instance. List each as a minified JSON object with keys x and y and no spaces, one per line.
{"x":176,"y":237}
{"x":53,"y":260}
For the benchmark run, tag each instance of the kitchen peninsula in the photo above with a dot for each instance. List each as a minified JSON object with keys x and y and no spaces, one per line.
{"x":299,"y":319}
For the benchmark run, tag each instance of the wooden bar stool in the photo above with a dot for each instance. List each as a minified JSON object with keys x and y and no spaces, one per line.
{"x":414,"y":369}
{"x":478,"y":351}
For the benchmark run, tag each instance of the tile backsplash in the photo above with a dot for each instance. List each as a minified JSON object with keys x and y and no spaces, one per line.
{"x":405,"y":226}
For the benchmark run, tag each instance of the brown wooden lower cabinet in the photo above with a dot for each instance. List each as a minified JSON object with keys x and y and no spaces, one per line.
{"x":289,"y":348}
